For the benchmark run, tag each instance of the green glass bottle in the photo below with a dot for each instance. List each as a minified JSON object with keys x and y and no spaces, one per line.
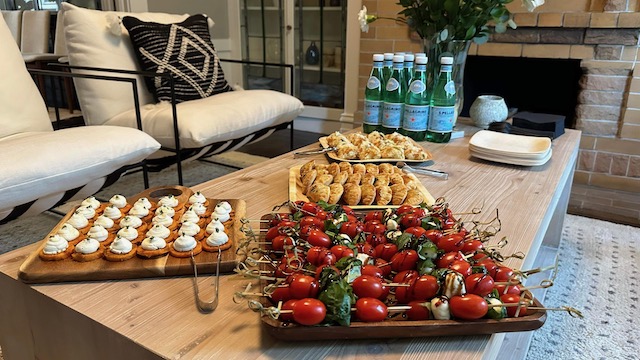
{"x":373,"y":97}
{"x":443,"y":101}
{"x":395,"y":91}
{"x":387,"y":67}
{"x":408,"y":68}
{"x":416,"y":105}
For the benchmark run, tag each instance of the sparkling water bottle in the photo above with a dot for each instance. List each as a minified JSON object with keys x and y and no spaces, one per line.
{"x":408,"y":68}
{"x":373,"y":97}
{"x":443,"y":101}
{"x":394,"y":95}
{"x":416,"y":105}
{"x":387,"y":67}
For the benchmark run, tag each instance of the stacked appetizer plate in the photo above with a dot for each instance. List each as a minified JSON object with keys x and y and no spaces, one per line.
{"x":510,"y":149}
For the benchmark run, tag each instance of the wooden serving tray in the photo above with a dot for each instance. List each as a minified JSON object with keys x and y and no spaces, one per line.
{"x":35,"y":270}
{"x":396,"y":327}
{"x":295,"y":192}
{"x":333,"y":155}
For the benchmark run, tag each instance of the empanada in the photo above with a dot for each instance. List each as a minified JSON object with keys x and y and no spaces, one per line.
{"x":414,"y":197}
{"x":359,"y":168}
{"x":341,"y":178}
{"x":392,"y":152}
{"x":352,"y":194}
{"x":385,"y":168}
{"x":381,"y":179}
{"x":371,"y":169}
{"x":347,"y":152}
{"x":345,"y":167}
{"x":318,"y":191}
{"x":336,"y":138}
{"x":334,"y":169}
{"x":399,"y":193}
{"x":307,"y":167}
{"x":368,"y":179}
{"x":354,"y":178}
{"x":336,"y":191}
{"x":368,"y":194}
{"x":383,"y":195}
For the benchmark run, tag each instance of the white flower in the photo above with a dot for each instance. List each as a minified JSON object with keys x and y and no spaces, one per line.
{"x":532,"y":4}
{"x":362,"y":18}
{"x":113,"y":24}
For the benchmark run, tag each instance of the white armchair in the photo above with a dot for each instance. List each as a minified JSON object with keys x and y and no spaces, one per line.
{"x":188,"y":130}
{"x":42,"y":168}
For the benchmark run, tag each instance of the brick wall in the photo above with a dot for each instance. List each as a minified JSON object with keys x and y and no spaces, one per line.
{"x":602,"y":34}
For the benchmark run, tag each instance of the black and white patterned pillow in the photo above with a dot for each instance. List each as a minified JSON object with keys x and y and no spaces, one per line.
{"x":183,"y":49}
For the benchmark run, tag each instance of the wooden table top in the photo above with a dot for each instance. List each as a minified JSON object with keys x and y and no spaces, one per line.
{"x":160,"y":314}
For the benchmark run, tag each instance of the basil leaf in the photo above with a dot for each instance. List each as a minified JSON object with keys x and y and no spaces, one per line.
{"x":338,"y":298}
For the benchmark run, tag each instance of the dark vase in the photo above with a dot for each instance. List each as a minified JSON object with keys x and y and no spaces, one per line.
{"x":313,"y":54}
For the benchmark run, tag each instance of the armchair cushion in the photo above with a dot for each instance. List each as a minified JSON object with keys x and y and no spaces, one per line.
{"x":182,"y":49}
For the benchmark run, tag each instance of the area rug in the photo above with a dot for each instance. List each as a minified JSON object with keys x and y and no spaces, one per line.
{"x":598,"y":274}
{"x":21,"y":232}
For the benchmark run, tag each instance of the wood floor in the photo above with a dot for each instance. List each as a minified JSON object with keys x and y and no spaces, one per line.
{"x":604,"y":204}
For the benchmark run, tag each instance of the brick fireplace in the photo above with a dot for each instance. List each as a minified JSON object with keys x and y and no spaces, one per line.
{"x":601,"y":34}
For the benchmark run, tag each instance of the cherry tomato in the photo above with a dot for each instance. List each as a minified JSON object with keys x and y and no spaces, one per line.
{"x":416,"y":231}
{"x":374,"y":226}
{"x":404,"y":209}
{"x":488,"y":264}
{"x":281,"y":293}
{"x":405,"y":276}
{"x":371,"y":270}
{"x":318,"y":255}
{"x":310,"y":208}
{"x":447,"y":258}
{"x":418,"y":311}
{"x":373,"y":215}
{"x":410,"y":220}
{"x":309,"y":311}
{"x":319,"y":238}
{"x":479,"y":284}
{"x":288,"y":305}
{"x":468,"y":306}
{"x":321,"y":267}
{"x":404,"y":260}
{"x":340,"y":251}
{"x":287,"y":223}
{"x":376,"y":239}
{"x":451,"y":242}
{"x":352,"y":228}
{"x":304,"y":286}
{"x":272,"y":233}
{"x":461,"y":266}
{"x":386,"y":250}
{"x":512,"y":310}
{"x":512,"y":289}
{"x":312,"y":221}
{"x":322,"y":215}
{"x":420,"y":212}
{"x":433,"y":235}
{"x":348,"y":210}
{"x":366,"y":248}
{"x":383,"y":265}
{"x":424,"y":287}
{"x":367,"y":286}
{"x":279,"y":242}
{"x":502,"y":273}
{"x":472,"y":246}
{"x":371,"y":310}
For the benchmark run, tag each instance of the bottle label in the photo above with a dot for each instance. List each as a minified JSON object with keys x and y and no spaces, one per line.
{"x":392,"y":115}
{"x":373,"y":82}
{"x":415,"y":117}
{"x":417,"y":87}
{"x":392,"y":84}
{"x":372,"y":110}
{"x":450,"y":87}
{"x":441,"y":119}
{"x":421,"y":67}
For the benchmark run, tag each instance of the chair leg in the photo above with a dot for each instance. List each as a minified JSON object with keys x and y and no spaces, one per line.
{"x":68,"y":88}
{"x":291,"y":147}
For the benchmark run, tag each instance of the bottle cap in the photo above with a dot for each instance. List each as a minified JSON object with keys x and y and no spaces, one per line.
{"x":421,"y":55}
{"x":408,"y":57}
{"x":400,"y":53}
{"x":378,"y":57}
{"x":446,"y":60}
{"x":421,"y":60}
{"x":398,"y":58}
{"x":388,"y":56}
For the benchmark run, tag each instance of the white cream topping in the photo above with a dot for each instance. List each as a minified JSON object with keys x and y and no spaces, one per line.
{"x":168,"y":200}
{"x":98,"y":232}
{"x":78,"y":220}
{"x":217,"y":238}
{"x":224,"y":205}
{"x":215,"y":223}
{"x":119,"y":201}
{"x":104,"y":221}
{"x":139,"y":210}
{"x":198,"y":208}
{"x":144,"y":202}
{"x":159,"y":230}
{"x":189,"y":215}
{"x":87,"y":211}
{"x":197,"y":197}
{"x":68,"y":232}
{"x":189,"y":228}
{"x":112,"y":212}
{"x":128,"y":233}
{"x":55,"y":245}
{"x":220,"y":214}
{"x":91,"y":201}
{"x":162,"y":219}
{"x":153,"y":243}
{"x":184,"y":243}
{"x":132,"y":221}
{"x":121,"y":246}
{"x":163,"y":209}
{"x":87,"y":246}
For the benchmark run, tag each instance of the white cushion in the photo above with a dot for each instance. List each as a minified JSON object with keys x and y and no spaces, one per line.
{"x":21,"y":106}
{"x":37,"y":164}
{"x":90,"y":43}
{"x":221,"y":117}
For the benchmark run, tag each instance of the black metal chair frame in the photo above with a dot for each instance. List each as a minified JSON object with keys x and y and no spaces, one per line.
{"x":173,"y":102}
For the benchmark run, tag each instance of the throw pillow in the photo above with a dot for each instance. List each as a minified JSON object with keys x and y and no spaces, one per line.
{"x":184,"y":50}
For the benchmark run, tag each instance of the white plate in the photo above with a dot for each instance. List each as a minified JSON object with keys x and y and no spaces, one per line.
{"x":512,"y":160}
{"x":510,"y":144}
{"x":489,"y":152}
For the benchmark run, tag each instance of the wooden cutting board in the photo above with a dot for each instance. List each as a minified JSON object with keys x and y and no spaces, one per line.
{"x":35,"y":270}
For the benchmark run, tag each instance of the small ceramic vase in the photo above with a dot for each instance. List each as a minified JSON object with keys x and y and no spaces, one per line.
{"x":313,"y":54}
{"x":487,"y":109}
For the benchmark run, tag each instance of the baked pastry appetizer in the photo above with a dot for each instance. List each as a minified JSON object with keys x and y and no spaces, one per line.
{"x":368,"y":194}
{"x":375,"y":145}
{"x":198,"y":198}
{"x":352,"y":194}
{"x":414,"y":197}
{"x":335,"y":193}
{"x":218,"y":239}
{"x":192,"y":229}
{"x":399,"y":193}
{"x":383,"y":195}
{"x":319,"y":192}
{"x":106,"y":223}
{"x":112,"y":212}
{"x":165,"y":219}
{"x":120,"y":249}
{"x":184,"y":246}
{"x":161,"y":231}
{"x":88,"y":250}
{"x":80,"y":222}
{"x":134,"y":222}
{"x":98,"y":232}
{"x":56,"y":248}
{"x":120,"y":202}
{"x":71,"y":234}
{"x":131,"y":234}
{"x":140,"y":211}
{"x":347,"y":151}
{"x":94,"y":203}
{"x":152,"y":246}
{"x":87,"y":211}
{"x":335,"y":139}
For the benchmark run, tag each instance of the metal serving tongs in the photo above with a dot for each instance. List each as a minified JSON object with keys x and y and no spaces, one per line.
{"x":435,"y":173}
{"x":315,"y":152}
{"x":204,"y":306}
